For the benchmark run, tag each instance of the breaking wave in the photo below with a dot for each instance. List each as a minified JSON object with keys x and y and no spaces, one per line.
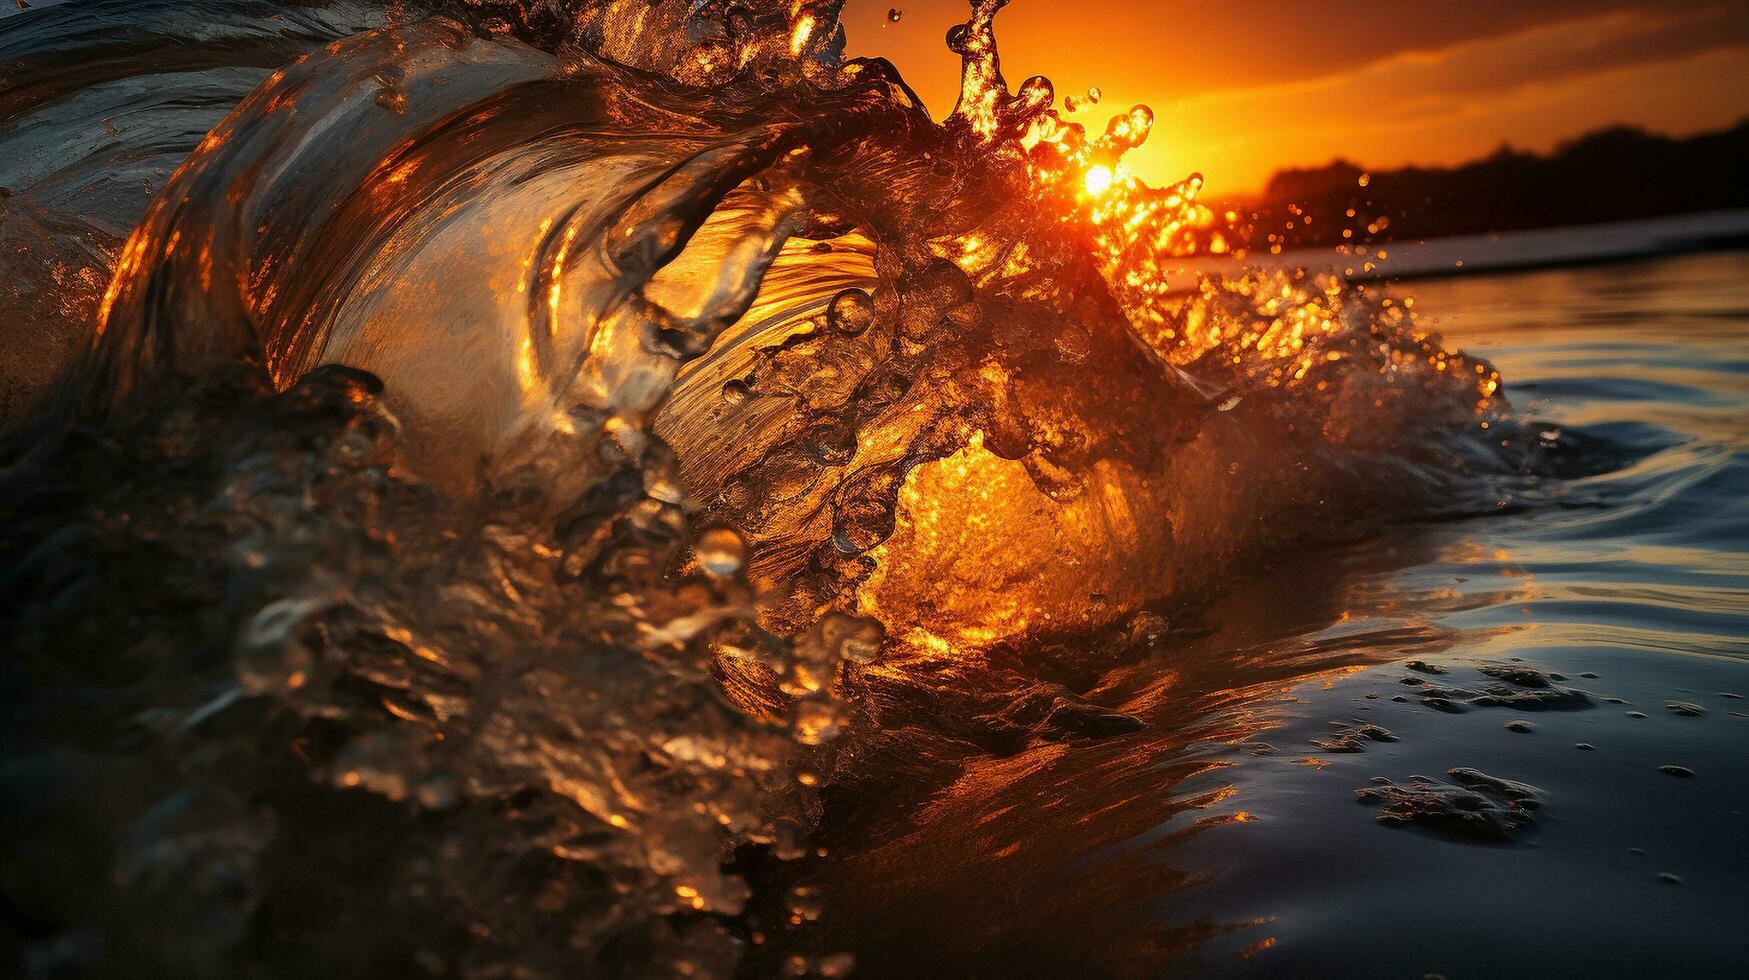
{"x":518,"y":455}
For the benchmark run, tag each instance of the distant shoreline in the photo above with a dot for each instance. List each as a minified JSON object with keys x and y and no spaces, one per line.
{"x":1619,"y":173}
{"x":1509,"y":251}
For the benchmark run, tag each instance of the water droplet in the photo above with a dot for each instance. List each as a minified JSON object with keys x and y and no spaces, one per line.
{"x":720,"y":551}
{"x":736,"y":391}
{"x":850,"y":312}
{"x":894,"y":14}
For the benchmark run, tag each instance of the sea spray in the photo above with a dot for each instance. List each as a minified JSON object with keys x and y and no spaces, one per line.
{"x":362,"y":532}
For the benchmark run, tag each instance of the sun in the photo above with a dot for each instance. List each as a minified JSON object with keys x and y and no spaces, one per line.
{"x":1098,"y":180}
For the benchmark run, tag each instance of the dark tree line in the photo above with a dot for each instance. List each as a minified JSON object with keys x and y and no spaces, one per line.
{"x":1613,"y":174}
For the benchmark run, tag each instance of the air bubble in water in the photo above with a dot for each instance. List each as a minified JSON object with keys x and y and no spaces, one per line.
{"x":720,"y":551}
{"x":894,"y":14}
{"x":850,"y":312}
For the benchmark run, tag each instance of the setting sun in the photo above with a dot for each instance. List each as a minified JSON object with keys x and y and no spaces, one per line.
{"x":1098,"y":180}
{"x":824,"y":488}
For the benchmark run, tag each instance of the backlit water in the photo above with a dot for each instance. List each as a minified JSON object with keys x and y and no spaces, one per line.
{"x":615,"y":489}
{"x":1223,"y":840}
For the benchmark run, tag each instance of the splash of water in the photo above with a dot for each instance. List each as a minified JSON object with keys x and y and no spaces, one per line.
{"x":423,"y":366}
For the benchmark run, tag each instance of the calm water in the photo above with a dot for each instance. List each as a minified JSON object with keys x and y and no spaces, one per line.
{"x":1223,"y":840}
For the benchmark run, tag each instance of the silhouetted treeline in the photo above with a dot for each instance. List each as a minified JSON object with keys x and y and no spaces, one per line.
{"x":1613,"y":174}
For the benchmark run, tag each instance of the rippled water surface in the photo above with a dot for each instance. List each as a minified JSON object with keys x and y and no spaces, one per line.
{"x":517,"y":489}
{"x":1224,"y":839}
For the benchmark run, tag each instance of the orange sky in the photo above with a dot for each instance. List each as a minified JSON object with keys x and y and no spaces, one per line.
{"x":1241,"y":89}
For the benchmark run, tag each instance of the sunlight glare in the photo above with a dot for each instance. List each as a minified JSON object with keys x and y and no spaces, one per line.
{"x":1098,"y":180}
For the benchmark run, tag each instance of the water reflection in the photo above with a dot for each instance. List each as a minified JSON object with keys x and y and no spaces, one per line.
{"x":1220,"y":839}
{"x":1050,"y":860}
